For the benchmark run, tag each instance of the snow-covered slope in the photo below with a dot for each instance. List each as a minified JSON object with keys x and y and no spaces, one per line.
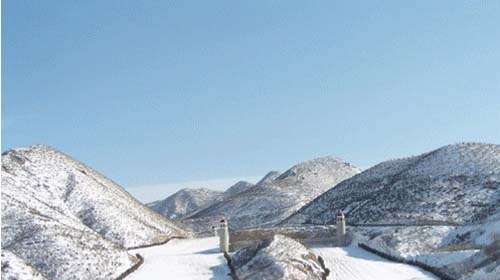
{"x":456,"y":251}
{"x":456,"y":184}
{"x":278,"y":258}
{"x":354,"y":263}
{"x":269,"y":177}
{"x":439,"y":205}
{"x":183,"y":259}
{"x":185,"y":202}
{"x":266,"y":205}
{"x":188,"y":201}
{"x":237,"y":188}
{"x":68,"y":221}
{"x":14,"y":268}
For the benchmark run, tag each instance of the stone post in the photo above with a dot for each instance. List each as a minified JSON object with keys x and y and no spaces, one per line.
{"x":341,"y":229}
{"x":223,"y":232}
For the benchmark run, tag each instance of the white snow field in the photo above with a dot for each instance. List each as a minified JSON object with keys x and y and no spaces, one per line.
{"x":179,"y":259}
{"x":196,"y":259}
{"x":354,"y":263}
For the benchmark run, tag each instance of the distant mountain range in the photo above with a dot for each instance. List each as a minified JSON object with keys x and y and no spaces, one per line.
{"x":275,"y":197}
{"x":185,"y":202}
{"x":62,"y":218}
{"x":189,"y":200}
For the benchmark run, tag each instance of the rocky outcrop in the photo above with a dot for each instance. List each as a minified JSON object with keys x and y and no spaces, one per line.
{"x":278,"y":258}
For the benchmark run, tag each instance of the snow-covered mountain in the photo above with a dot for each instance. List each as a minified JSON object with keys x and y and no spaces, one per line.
{"x":269,"y":203}
{"x":237,"y":188}
{"x":455,"y":184}
{"x":439,"y":208}
{"x":185,"y":202}
{"x":269,"y":177}
{"x":69,"y":222}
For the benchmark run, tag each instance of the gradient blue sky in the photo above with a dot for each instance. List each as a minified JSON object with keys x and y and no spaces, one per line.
{"x":159,"y":92}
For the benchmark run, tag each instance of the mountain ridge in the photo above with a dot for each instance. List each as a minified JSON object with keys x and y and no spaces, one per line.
{"x":267,"y":204}
{"x":450,"y":168}
{"x":185,"y":201}
{"x":63,"y":218}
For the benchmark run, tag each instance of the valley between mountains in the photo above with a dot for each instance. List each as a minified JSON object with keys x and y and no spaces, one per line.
{"x":430,"y":216}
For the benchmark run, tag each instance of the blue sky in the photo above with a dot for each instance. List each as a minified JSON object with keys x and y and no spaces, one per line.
{"x":152,"y":93}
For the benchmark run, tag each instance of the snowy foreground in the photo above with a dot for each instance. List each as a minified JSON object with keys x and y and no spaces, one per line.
{"x":200,"y":259}
{"x":190,"y":259}
{"x":354,"y":263}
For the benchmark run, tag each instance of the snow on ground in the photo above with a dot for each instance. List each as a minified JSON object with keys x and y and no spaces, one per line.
{"x":15,"y":268}
{"x":190,"y":259}
{"x":200,"y":259}
{"x":354,"y":263}
{"x":441,"y":259}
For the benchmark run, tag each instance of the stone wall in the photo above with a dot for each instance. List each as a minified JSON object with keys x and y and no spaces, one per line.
{"x":306,"y":235}
{"x":133,"y":268}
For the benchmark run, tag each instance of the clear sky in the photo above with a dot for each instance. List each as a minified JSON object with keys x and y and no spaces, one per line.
{"x":152,"y":93}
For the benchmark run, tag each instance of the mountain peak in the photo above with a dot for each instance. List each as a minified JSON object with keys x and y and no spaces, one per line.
{"x":316,"y":168}
{"x":185,"y":202}
{"x":58,"y":205}
{"x":435,"y":187}
{"x":239,"y":187}
{"x":269,"y":177}
{"x":266,"y":206}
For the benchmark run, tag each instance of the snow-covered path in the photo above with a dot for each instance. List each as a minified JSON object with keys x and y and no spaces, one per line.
{"x":193,"y":259}
{"x":354,"y":263}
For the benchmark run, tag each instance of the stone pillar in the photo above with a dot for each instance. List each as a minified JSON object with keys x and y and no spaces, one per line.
{"x":341,"y":229}
{"x":223,"y":232}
